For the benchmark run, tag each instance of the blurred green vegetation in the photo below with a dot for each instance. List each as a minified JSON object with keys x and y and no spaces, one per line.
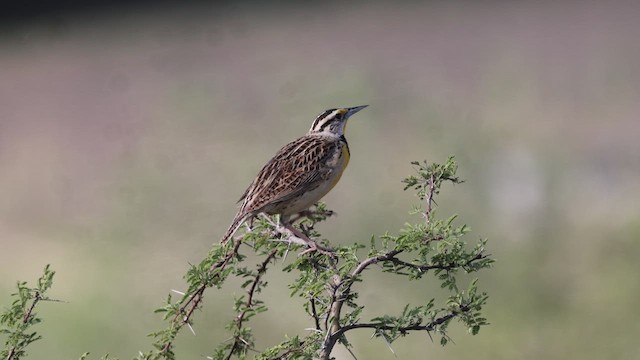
{"x":127,"y":137}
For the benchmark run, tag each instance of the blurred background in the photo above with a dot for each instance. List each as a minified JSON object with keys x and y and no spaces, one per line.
{"x":128,"y":131}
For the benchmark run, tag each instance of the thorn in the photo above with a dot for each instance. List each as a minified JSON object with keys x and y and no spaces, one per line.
{"x":351,"y":352}
{"x":191,"y":328}
{"x":313,"y":329}
{"x":178,"y":292}
{"x":53,"y":300}
{"x":284,"y":258}
{"x":389,"y":346}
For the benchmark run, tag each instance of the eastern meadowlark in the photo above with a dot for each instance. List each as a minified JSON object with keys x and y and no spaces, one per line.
{"x":299,"y":174}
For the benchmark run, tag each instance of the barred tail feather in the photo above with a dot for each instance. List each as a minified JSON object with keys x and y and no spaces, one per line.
{"x":237,"y":222}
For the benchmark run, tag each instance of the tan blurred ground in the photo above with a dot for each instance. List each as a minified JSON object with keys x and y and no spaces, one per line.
{"x":125,"y":139}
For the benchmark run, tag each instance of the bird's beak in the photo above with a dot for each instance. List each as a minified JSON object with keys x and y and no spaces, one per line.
{"x":353,"y":110}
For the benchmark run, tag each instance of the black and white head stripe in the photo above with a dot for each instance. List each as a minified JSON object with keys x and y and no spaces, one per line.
{"x":326,"y":118}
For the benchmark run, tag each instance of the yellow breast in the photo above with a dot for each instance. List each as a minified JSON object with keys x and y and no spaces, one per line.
{"x":343,"y":161}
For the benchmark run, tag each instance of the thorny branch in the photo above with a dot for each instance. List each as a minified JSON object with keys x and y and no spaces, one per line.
{"x":36,"y":298}
{"x":262,"y":269}
{"x":194,"y":301}
{"x":340,"y":289}
{"x":294,"y":236}
{"x":413,"y":327}
{"x":450,"y":266}
{"x":183,"y":316}
{"x":314,"y":313}
{"x":330,"y":327}
{"x":340,"y":292}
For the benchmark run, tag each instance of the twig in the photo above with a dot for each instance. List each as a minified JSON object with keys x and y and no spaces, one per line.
{"x":25,"y":319}
{"x":285,"y":355}
{"x":262,"y":269}
{"x":183,"y":315}
{"x":340,"y":292}
{"x":36,"y":299}
{"x":298,"y":237}
{"x":425,"y":267}
{"x":413,"y":327}
{"x":373,"y":260}
{"x":432,"y":190}
{"x":314,"y":313}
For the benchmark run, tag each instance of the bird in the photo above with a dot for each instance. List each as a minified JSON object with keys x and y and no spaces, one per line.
{"x":299,"y":174}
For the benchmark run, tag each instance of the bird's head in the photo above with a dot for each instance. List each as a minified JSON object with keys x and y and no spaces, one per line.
{"x":333,"y":121}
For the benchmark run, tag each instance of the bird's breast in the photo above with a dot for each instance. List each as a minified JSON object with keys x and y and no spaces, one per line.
{"x":341,"y":161}
{"x":330,"y":174}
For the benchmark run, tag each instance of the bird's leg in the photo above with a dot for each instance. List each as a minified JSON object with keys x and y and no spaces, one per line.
{"x":249,"y":224}
{"x":311,"y":244}
{"x":300,"y":215}
{"x":309,"y":214}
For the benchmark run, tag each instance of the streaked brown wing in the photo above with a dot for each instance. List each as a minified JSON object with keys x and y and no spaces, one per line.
{"x":289,"y":172}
